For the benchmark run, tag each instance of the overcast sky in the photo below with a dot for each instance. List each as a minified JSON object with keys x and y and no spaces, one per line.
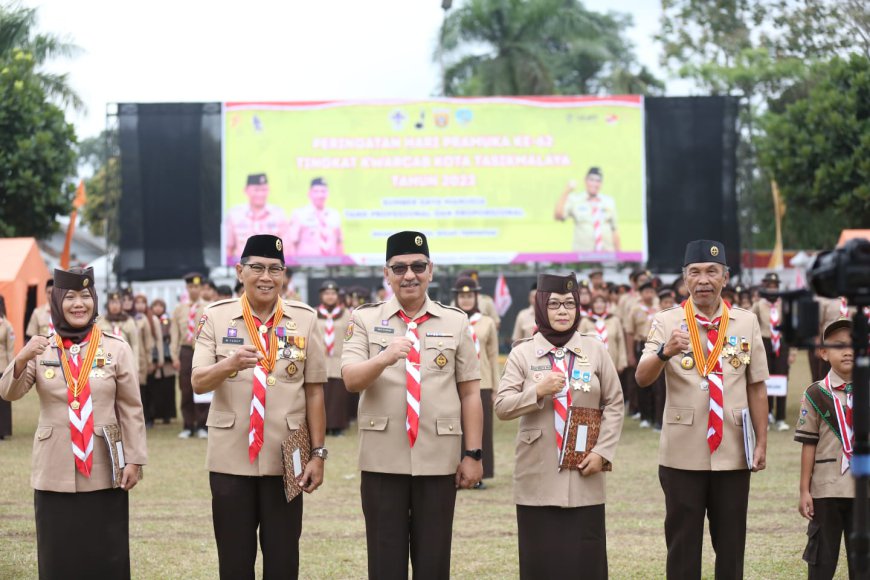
{"x":186,"y":50}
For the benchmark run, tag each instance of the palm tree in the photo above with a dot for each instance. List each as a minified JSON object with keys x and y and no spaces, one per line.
{"x":18,"y":33}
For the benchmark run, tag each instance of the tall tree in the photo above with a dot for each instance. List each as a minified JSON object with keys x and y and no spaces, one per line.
{"x":98,"y":157}
{"x":36,"y":152}
{"x":538,"y":47}
{"x":18,"y":32}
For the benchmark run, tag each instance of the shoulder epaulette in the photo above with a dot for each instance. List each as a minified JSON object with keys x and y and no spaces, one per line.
{"x":221,"y":303}
{"x":454,"y":308}
{"x":741,"y":309}
{"x":298,"y":304}
{"x":368,"y":305}
{"x":521,"y":340}
{"x":671,"y":308}
{"x":113,"y":337}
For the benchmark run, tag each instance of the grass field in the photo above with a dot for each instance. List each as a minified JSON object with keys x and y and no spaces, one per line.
{"x":171,"y":532}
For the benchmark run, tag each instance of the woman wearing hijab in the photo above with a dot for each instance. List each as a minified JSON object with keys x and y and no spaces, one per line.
{"x":162,"y":382}
{"x":560,"y":513}
{"x":148,"y":327}
{"x":120,"y":324}
{"x":7,"y":353}
{"x":485,"y":336}
{"x":88,"y":389}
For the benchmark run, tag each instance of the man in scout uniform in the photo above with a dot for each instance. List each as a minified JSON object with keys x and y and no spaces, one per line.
{"x":524,"y":326}
{"x":825,"y":429}
{"x":182,"y":334}
{"x":264,"y":359}
{"x":40,"y":321}
{"x":255,"y":217}
{"x":770,"y":319}
{"x":715,"y":367}
{"x":315,"y":230}
{"x":594,"y":215}
{"x":414,"y":362}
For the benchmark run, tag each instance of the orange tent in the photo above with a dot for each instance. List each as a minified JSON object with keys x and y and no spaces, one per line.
{"x":21,"y":267}
{"x":847,"y":235}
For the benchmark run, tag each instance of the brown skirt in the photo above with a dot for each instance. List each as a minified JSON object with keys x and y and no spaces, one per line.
{"x":335,"y":399}
{"x":557,"y":542}
{"x":62,"y":549}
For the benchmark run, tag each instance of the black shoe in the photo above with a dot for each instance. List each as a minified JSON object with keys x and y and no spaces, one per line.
{"x":479,"y":485}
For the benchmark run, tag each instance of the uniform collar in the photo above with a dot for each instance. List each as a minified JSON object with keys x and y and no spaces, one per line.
{"x":836,"y":380}
{"x":543,"y":346}
{"x":236,"y":310}
{"x":392,"y":307}
{"x":718,"y":309}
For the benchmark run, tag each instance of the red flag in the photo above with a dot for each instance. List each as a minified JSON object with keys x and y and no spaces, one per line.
{"x":78,"y":202}
{"x":502,"y":297}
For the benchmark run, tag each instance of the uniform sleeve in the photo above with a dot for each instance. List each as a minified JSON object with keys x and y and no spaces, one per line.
{"x":629,"y":323}
{"x":518,"y":329}
{"x":492,"y":354}
{"x":32,"y":325}
{"x":614,"y":410}
{"x":757,"y":370}
{"x":512,"y":401}
{"x":656,"y":336}
{"x":10,"y":340}
{"x":12,"y":389}
{"x":205,"y":346}
{"x":467,"y":362}
{"x":315,"y":359}
{"x":128,"y":406}
{"x":174,"y":337}
{"x":807,"y":428}
{"x":356,"y":342}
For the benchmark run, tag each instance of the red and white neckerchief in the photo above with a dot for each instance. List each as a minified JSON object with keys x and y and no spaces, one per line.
{"x":116,"y":330}
{"x":472,"y":320}
{"x":601,"y":326}
{"x":582,"y":312}
{"x":775,"y":334}
{"x":323,"y":233}
{"x":595,"y":204}
{"x":412,"y":375}
{"x":562,"y":399}
{"x":80,"y":406}
{"x":329,"y":326}
{"x":267,"y":345}
{"x":650,"y":311}
{"x":844,"y":420}
{"x":844,"y":307}
{"x":715,"y":383}
{"x":50,"y":324}
{"x":191,"y":322}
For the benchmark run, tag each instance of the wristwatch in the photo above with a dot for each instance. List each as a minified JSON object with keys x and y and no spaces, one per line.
{"x":661,"y":353}
{"x":320,"y":452}
{"x":476,"y":454}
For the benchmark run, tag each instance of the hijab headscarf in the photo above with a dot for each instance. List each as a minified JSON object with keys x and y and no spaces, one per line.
{"x":549,"y":284}
{"x":120,"y":316}
{"x":467,"y":284}
{"x":73,"y":279}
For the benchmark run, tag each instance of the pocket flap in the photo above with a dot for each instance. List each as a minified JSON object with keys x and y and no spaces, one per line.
{"x":372,"y":423}
{"x":99,"y":430}
{"x":679,"y":416}
{"x":448,"y":426}
{"x":221,"y":419}
{"x":43,"y":433}
{"x":440,"y":342}
{"x":295,"y":421}
{"x":738,"y":416}
{"x":529,"y":436}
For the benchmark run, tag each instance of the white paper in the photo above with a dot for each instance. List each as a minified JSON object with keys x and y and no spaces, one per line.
{"x":203,"y":398}
{"x":777,"y":386}
{"x":297,"y":463}
{"x":120,"y":449}
{"x":748,"y":438}
{"x":582,"y":432}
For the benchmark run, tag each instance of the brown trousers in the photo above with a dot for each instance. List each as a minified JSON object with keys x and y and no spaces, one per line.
{"x":488,"y":453}
{"x":335,"y":401}
{"x":5,"y":417}
{"x":777,"y":365}
{"x":723,"y":496}
{"x":239,"y":506}
{"x":831,"y":521}
{"x":557,"y":542}
{"x":193,"y":414}
{"x":402,"y":512}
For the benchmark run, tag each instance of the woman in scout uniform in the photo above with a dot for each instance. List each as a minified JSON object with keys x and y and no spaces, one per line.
{"x":7,"y":353}
{"x":560,"y":513}
{"x":119,"y":324}
{"x":332,"y":321}
{"x":162,"y":382}
{"x":485,"y":336}
{"x":608,"y":328}
{"x":88,"y":392}
{"x":264,"y":390}
{"x":149,"y":344}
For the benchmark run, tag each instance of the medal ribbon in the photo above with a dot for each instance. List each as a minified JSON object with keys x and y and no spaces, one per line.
{"x":844,"y":421}
{"x":81,"y":418}
{"x":267,"y":345}
{"x":413,"y":379}
{"x":706,"y":363}
{"x":562,"y":399}
{"x":709,"y":366}
{"x":472,"y":320}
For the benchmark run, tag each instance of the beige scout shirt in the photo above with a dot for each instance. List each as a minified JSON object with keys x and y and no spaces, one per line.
{"x":537,"y":479}
{"x":178,"y":326}
{"x":525,"y":325}
{"x":116,"y":401}
{"x":813,"y":429}
{"x":333,"y":363}
{"x":146,"y":344}
{"x":128,"y":332}
{"x":615,"y":338}
{"x":761,"y":310}
{"x":39,"y":321}
{"x":383,"y":446}
{"x":684,"y":433}
{"x":7,"y":342}
{"x":829,"y":311}
{"x":223,"y":331}
{"x":639,"y":321}
{"x":487,"y":336}
{"x":580,"y":208}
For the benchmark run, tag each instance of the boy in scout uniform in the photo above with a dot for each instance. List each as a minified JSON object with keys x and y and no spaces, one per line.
{"x":702,"y":464}
{"x":824,"y":427}
{"x":777,"y":351}
{"x":594,"y":215}
{"x":414,"y":362}
{"x":265,"y":387}
{"x":40,"y":320}
{"x":182,"y":335}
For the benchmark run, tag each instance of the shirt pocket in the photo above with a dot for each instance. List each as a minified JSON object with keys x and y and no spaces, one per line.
{"x":220,"y":419}
{"x":448,"y":426}
{"x":378,"y":344}
{"x":438,"y":354}
{"x":680,"y":415}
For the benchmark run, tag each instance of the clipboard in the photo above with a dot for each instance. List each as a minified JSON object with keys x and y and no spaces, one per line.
{"x":112,"y":435}
{"x":295,"y":452}
{"x":581,"y":435}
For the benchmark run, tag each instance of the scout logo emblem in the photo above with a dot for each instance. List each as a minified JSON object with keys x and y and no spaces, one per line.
{"x":441,"y":361}
{"x":74,"y":405}
{"x":418,"y":240}
{"x":570,"y":285}
{"x":687,"y":362}
{"x":291,"y":369}
{"x":200,"y":325}
{"x":75,"y":349}
{"x":271,"y":381}
{"x":49,"y":373}
{"x":232,"y":332}
{"x":278,"y":245}
{"x":196,"y":280}
{"x":735,"y":362}
{"x":85,"y":283}
{"x":348,"y":333}
{"x":714,"y":251}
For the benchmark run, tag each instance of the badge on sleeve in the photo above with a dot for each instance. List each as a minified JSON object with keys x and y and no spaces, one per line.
{"x":200,"y":325}
{"x":348,"y":333}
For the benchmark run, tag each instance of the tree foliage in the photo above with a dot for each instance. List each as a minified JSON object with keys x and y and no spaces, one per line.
{"x":538,"y":47}
{"x":36,"y":152}
{"x":818,"y":148}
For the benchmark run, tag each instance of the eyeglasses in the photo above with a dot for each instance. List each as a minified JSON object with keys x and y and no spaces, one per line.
{"x":402,"y":269}
{"x":555,"y":305}
{"x":259,"y":269}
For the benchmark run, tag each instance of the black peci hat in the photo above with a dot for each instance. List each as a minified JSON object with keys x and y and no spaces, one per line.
{"x":701,"y":251}
{"x":646,"y":285}
{"x":74,"y":280}
{"x":329,"y":285}
{"x":407,"y":242}
{"x":264,"y":246}
{"x":770,"y":278}
{"x":317,"y":181}
{"x":557,"y":284}
{"x":257,"y":179}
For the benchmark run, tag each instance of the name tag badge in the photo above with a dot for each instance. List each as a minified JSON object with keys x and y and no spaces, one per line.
{"x":385,"y":329}
{"x":232,"y":340}
{"x":541,"y":368}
